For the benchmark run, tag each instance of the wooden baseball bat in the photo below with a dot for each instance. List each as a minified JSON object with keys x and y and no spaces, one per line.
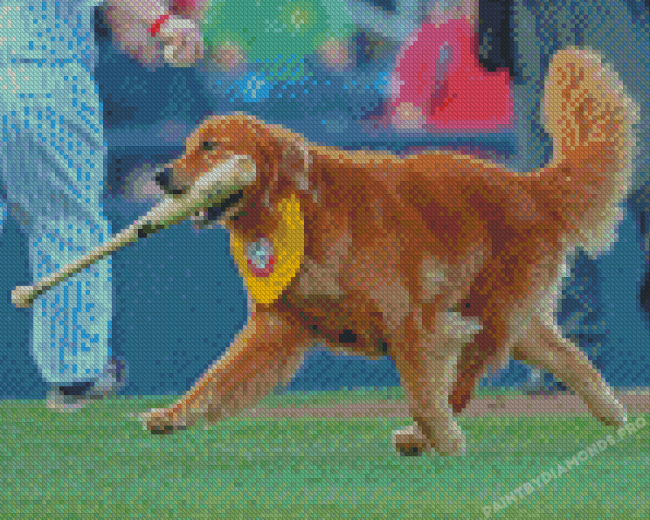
{"x":209,"y":190}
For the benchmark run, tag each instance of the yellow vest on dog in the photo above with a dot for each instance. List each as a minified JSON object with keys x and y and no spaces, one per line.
{"x":288,"y":243}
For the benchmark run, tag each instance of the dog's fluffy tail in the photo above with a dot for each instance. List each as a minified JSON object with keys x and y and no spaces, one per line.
{"x":591,"y":121}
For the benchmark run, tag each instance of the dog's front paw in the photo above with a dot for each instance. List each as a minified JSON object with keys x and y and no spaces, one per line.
{"x":161,"y":421}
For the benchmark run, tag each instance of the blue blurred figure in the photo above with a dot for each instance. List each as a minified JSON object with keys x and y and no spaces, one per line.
{"x":52,"y":171}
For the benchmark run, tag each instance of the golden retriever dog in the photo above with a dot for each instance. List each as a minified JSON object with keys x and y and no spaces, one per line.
{"x":443,"y":262}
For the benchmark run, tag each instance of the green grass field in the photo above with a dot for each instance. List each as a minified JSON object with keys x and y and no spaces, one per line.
{"x":99,"y":463}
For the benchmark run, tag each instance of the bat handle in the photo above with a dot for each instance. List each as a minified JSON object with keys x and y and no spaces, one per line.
{"x":23,"y":296}
{"x":169,"y":212}
{"x":205,"y":192}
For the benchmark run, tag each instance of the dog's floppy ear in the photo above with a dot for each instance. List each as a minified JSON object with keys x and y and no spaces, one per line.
{"x":294,"y":158}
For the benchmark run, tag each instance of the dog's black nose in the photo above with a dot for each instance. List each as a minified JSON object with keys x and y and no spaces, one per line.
{"x":163,"y":179}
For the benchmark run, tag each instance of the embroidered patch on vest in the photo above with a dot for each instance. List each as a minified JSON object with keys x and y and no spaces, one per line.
{"x":260,"y":257}
{"x":269,"y":265}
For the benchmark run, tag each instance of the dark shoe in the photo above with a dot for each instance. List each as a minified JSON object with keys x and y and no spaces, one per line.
{"x":67,"y":398}
{"x":111,"y":381}
{"x":74,"y":397}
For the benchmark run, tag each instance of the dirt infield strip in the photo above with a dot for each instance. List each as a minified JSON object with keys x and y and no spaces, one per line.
{"x":500,"y":406}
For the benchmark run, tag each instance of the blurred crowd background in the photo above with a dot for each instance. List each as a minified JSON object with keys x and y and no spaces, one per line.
{"x":177,"y":297}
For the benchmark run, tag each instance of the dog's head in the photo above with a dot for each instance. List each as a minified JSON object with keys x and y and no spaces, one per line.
{"x":247,"y":157}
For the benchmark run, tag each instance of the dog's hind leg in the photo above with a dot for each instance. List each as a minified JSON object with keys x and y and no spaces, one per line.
{"x":485,"y":348}
{"x":545,"y":346}
{"x":427,"y":365}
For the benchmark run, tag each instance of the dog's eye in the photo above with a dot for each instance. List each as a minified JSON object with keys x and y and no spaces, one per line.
{"x":207,"y":146}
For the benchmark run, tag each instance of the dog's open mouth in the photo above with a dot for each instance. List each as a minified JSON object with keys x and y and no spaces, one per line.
{"x":209,"y":217}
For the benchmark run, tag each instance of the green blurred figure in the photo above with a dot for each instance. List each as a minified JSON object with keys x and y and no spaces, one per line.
{"x":277,"y":34}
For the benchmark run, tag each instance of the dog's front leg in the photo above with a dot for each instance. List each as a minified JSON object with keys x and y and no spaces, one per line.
{"x":427,"y":364}
{"x":267,"y":352}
